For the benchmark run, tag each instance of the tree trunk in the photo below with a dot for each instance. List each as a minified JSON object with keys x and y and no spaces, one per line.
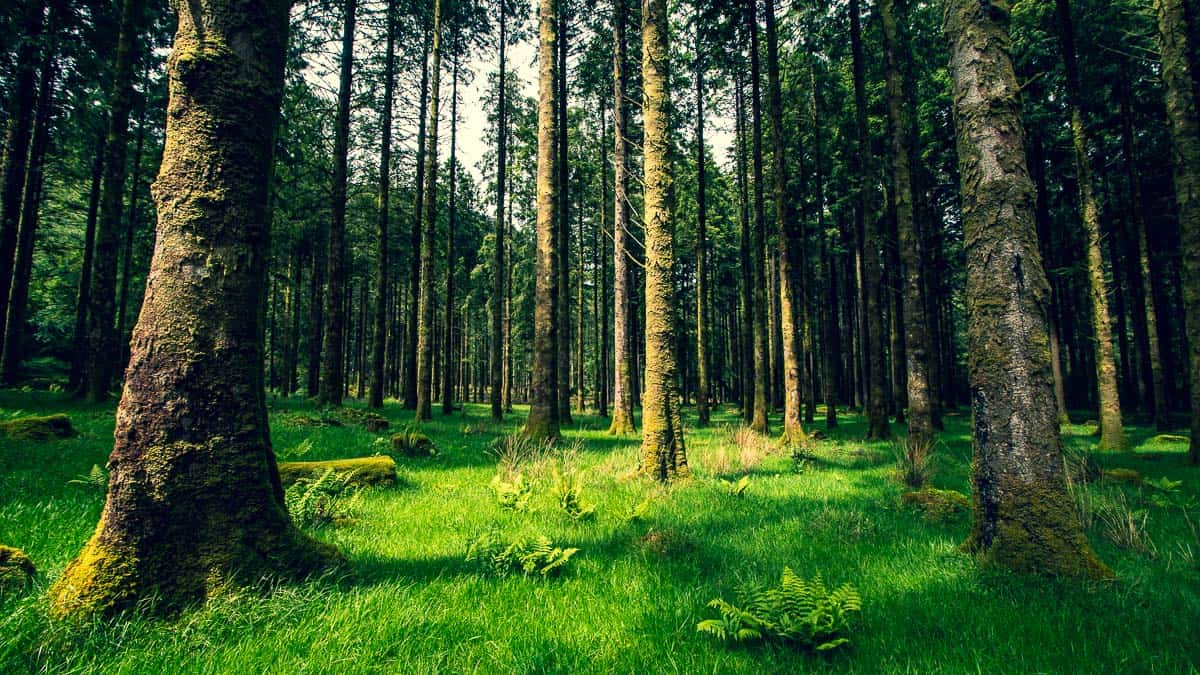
{"x":495,"y":353}
{"x":702,"y":386}
{"x":414,"y":282}
{"x":1112,"y":435}
{"x":1185,"y":142}
{"x":79,"y":340}
{"x":542,"y":422}
{"x":663,"y":454}
{"x":194,"y":499}
{"x":746,"y":325}
{"x":622,"y":399}
{"x":563,"y":223}
{"x":102,"y":339}
{"x":382,"y":287}
{"x":449,"y":365}
{"x":762,"y":357}
{"x":333,"y":375}
{"x":425,"y":311}
{"x":1023,"y":519}
{"x":131,"y":223}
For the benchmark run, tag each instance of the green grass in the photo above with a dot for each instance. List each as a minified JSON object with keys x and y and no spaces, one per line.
{"x":630,"y":599}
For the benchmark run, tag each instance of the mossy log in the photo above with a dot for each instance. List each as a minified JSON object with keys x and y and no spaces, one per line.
{"x":38,"y":428}
{"x":15,"y":566}
{"x":364,"y":471}
{"x":1128,"y":476}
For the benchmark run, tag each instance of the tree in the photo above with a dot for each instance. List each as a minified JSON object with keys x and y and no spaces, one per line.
{"x":664,"y":456}
{"x":428,"y":232}
{"x":916,"y":336}
{"x":1173,"y":40}
{"x":703,"y":387}
{"x":194,"y":499}
{"x":499,"y":271}
{"x":414,"y":281}
{"x":382,"y":288}
{"x":1112,"y":434}
{"x":758,"y":278}
{"x":622,"y":393}
{"x":1023,"y":517}
{"x":542,"y":422}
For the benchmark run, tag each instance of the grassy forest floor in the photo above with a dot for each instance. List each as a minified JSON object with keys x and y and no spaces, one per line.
{"x":630,"y":599}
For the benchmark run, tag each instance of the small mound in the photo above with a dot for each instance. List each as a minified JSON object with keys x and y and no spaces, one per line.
{"x":937,"y":505}
{"x":1128,"y":476}
{"x":371,"y":421}
{"x":15,"y":567}
{"x":666,"y":543}
{"x":38,"y":428}
{"x":1170,"y":438}
{"x":364,"y":471}
{"x":413,"y":444}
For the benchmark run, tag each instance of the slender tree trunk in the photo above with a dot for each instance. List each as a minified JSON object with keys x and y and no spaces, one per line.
{"x":1037,"y":171}
{"x":563,"y":223}
{"x":622,"y":414}
{"x":508,"y":276}
{"x":414,"y":286}
{"x":382,"y":286}
{"x":131,"y":225}
{"x":102,"y":339}
{"x":194,"y":499}
{"x":543,"y":419}
{"x":495,"y":354}
{"x":79,"y":340}
{"x":333,"y":375}
{"x":746,"y":327}
{"x":1024,"y":519}
{"x":14,"y":335}
{"x":916,"y":336}
{"x":316,"y":304}
{"x":702,"y":393}
{"x":663,"y":454}
{"x":762,"y":357}
{"x":425,"y":312}
{"x":1112,"y":435}
{"x":833,"y":338}
{"x":1185,"y":142}
{"x":605,"y":346}
{"x":450,"y":366}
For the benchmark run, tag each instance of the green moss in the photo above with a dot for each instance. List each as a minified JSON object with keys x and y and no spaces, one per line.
{"x":364,"y":471}
{"x":1170,"y":438}
{"x":38,"y":428}
{"x":938,"y":505}
{"x":15,"y":567}
{"x":1129,"y":476}
{"x":413,"y":444}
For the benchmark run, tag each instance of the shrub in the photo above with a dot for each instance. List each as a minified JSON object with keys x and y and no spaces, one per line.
{"x":799,"y":612}
{"x":412,"y":443}
{"x":514,"y":494}
{"x":737,"y":489}
{"x":914,"y":465}
{"x":97,"y":478}
{"x":514,"y":452}
{"x":569,"y":492}
{"x":529,"y":556}
{"x":752,"y":447}
{"x":1125,"y":526}
{"x":328,"y":499}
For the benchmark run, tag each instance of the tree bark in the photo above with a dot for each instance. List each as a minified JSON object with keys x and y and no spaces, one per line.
{"x":563,"y":223}
{"x":1023,"y":517}
{"x":496,"y":351}
{"x":382,"y":287}
{"x":425,"y":311}
{"x":1185,"y":142}
{"x":450,"y":366}
{"x":543,"y":419}
{"x":664,"y":457}
{"x":414,"y":284}
{"x":762,"y":358}
{"x":194,"y":499}
{"x":622,"y":395}
{"x":79,"y":341}
{"x":702,"y":385}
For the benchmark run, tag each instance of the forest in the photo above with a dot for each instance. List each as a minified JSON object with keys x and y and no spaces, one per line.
{"x":599,"y":336}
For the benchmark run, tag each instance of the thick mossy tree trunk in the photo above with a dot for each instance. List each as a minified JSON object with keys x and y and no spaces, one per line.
{"x":496,"y":301}
{"x":870,"y":260}
{"x":1112,"y":434}
{"x":382,"y":288}
{"x":622,"y":394}
{"x":425,"y":313}
{"x":758,"y":294}
{"x":194,"y":499}
{"x":702,"y":384}
{"x":1023,"y":517}
{"x":916,"y":333}
{"x":102,"y":334}
{"x":663,"y":454}
{"x":790,"y":235}
{"x":1185,"y":141}
{"x":414,"y":279}
{"x":543,"y":406}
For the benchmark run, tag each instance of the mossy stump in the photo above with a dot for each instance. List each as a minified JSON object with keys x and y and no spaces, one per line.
{"x":378,"y":471}
{"x":38,"y":428}
{"x":938,"y":505}
{"x":413,"y":444}
{"x":15,"y":567}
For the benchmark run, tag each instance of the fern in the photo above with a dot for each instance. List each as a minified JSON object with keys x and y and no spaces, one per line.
{"x":537,"y":556}
{"x":737,"y":489}
{"x":96,"y":478}
{"x":514,"y":495}
{"x":796,"y":611}
{"x":323,"y":501}
{"x":638,"y":512}
{"x":569,"y":493}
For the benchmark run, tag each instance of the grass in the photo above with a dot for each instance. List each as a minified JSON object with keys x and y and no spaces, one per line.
{"x":630,"y":599}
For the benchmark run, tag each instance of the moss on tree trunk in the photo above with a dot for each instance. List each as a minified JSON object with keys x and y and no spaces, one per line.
{"x":622,"y":394}
{"x":194,"y":498}
{"x":1023,"y":516}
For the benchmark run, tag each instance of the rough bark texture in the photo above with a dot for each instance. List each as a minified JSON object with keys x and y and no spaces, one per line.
{"x":428,"y":231}
{"x":745,"y":288}
{"x":83,"y":299}
{"x":414,"y":280}
{"x":758,"y":303}
{"x":791,"y":288}
{"x":1023,"y":517}
{"x":622,"y":394}
{"x":543,"y":405}
{"x":563,"y":221}
{"x":1112,"y":434}
{"x":663,"y":454}
{"x":382,"y":288}
{"x":102,"y":334}
{"x":702,"y":385}
{"x":496,"y":302}
{"x":916,"y":335}
{"x":1185,"y":141}
{"x":333,"y":373}
{"x":450,"y":365}
{"x":194,"y":499}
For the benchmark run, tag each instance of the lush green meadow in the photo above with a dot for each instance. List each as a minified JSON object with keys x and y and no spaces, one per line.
{"x":630,"y":599}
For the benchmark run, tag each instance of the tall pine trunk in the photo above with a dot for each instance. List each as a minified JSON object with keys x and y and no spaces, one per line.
{"x":414,"y":279}
{"x":382,"y":286}
{"x":449,"y":363}
{"x":496,"y":302}
{"x":622,"y":398}
{"x":758,"y":294}
{"x":702,"y":384}
{"x":79,"y":340}
{"x":425,"y":309}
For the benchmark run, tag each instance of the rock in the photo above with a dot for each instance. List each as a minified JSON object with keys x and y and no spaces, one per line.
{"x":379,"y":470}
{"x":938,"y":505}
{"x":15,"y":567}
{"x":1128,"y":476}
{"x":413,"y":444}
{"x":38,"y":428}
